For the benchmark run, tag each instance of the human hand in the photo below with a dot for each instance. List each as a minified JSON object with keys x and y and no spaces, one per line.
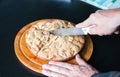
{"x":62,"y":69}
{"x":102,"y":22}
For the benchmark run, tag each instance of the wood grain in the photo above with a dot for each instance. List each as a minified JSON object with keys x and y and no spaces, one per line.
{"x":34,"y":63}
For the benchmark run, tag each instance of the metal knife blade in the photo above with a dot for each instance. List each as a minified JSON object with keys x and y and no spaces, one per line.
{"x":70,"y":31}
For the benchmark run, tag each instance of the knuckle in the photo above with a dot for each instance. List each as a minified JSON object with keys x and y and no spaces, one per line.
{"x":93,"y":15}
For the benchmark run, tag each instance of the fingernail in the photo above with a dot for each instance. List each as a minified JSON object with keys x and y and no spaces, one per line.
{"x":77,"y":55}
{"x":77,"y":26}
{"x":43,"y":71}
{"x":44,"y":66}
{"x":51,"y":62}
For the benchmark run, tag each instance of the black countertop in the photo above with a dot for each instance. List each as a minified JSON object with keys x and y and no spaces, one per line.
{"x":15,"y":14}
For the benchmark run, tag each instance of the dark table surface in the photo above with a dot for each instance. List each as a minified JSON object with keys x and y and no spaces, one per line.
{"x":15,"y":14}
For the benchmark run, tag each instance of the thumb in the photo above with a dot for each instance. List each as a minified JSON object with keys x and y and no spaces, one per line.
{"x":79,"y":60}
{"x":83,"y":24}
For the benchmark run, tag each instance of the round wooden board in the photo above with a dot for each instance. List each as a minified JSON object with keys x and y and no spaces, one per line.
{"x":33,"y":62}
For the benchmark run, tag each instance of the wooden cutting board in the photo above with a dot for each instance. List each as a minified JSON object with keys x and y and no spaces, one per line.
{"x":34,"y":63}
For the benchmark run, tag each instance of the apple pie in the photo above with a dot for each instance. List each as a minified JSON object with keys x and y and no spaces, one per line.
{"x":48,"y":46}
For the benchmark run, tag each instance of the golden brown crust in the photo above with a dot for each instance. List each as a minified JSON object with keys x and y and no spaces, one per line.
{"x":53,"y":47}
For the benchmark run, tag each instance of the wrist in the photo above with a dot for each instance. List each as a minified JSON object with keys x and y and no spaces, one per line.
{"x":112,"y":14}
{"x":117,"y":12}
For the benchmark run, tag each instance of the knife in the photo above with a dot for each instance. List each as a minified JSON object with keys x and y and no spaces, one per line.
{"x":70,"y":31}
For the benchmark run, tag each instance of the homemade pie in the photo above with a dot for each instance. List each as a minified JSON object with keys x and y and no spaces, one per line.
{"x":48,"y":46}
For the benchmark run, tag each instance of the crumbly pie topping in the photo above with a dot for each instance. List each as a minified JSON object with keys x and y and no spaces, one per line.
{"x":52,"y":47}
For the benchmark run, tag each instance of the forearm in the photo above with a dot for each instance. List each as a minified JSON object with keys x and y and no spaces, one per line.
{"x":113,"y":14}
{"x":117,"y":14}
{"x":108,"y":74}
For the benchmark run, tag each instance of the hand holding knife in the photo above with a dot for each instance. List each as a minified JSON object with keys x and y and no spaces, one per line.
{"x":70,"y":31}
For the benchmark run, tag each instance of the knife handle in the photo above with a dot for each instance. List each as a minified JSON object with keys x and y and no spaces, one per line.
{"x":86,"y":30}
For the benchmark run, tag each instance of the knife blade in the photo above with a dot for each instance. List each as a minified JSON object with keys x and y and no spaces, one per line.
{"x":70,"y":31}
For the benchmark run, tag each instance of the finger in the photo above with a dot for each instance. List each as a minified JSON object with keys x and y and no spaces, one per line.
{"x":61,"y":64}
{"x":80,"y":61}
{"x":92,"y":29}
{"x":52,"y":74}
{"x":57,"y":69}
{"x":88,"y":22}
{"x":116,"y":32}
{"x":83,"y":24}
